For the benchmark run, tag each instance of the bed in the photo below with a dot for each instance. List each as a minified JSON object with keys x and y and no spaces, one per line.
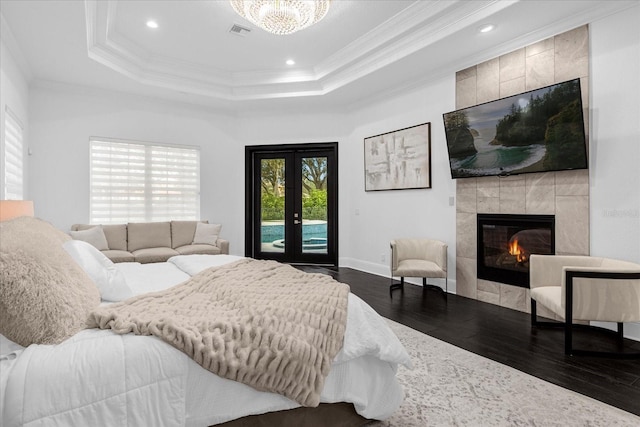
{"x":98,"y":377}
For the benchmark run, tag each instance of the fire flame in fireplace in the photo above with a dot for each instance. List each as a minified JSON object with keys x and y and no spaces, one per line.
{"x":517,"y":251}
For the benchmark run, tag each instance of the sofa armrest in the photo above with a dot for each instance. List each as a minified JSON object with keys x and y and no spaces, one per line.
{"x":547,"y":270}
{"x":223,"y":245}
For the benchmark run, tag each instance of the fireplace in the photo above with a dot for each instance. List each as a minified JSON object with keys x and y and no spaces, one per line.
{"x":505,"y":243}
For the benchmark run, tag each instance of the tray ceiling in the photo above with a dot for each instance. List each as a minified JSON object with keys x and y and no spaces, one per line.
{"x":361,"y":47}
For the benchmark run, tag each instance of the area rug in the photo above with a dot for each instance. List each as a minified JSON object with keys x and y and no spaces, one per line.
{"x":449,"y":386}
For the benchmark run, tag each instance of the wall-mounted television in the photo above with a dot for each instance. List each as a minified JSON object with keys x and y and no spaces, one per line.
{"x":536,"y":131}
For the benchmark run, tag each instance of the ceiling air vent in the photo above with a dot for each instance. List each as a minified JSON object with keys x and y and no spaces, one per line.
{"x":239,"y":30}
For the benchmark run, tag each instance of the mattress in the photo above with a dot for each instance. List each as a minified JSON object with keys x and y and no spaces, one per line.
{"x":101,"y":378}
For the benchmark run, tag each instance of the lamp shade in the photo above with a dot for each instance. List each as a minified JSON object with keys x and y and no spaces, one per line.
{"x":10,"y":209}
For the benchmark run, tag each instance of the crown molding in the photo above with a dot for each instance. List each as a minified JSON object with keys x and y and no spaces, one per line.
{"x":120,"y":97}
{"x":413,"y":29}
{"x":419,"y":26}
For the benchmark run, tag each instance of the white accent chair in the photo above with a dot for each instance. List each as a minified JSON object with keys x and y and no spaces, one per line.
{"x":424,"y":258}
{"x":585,"y":288}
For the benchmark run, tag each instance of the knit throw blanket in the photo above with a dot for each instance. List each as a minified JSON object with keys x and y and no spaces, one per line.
{"x":262,"y":323}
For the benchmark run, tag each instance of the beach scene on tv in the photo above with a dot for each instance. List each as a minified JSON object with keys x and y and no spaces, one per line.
{"x":537,"y":131}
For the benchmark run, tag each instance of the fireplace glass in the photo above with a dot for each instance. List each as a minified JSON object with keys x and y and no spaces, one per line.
{"x":505,"y":243}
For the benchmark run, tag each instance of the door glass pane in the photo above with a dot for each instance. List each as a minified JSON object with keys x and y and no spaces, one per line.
{"x":272,"y":193}
{"x":314,"y":205}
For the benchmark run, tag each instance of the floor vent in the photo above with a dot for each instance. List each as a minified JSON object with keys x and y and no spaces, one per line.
{"x":239,"y":30}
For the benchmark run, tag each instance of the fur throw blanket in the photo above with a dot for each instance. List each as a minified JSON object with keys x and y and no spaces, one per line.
{"x":262,"y":323}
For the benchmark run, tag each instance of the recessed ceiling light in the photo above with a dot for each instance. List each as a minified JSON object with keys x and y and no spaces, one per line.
{"x":152,"y":24}
{"x":291,"y":62}
{"x":486,"y":28}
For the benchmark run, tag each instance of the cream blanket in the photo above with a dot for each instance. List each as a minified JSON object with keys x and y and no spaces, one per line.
{"x":262,"y":323}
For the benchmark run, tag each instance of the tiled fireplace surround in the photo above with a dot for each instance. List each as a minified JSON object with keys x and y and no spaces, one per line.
{"x":564,"y":194}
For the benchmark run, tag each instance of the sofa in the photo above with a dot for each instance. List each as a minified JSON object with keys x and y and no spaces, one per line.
{"x":146,"y":242}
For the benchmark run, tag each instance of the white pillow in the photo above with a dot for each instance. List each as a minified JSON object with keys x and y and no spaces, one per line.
{"x":93,"y":235}
{"x":110,"y":281}
{"x":207,"y":233}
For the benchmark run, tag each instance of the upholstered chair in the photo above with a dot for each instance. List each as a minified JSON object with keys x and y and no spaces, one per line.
{"x":424,"y":258}
{"x":585,"y":288}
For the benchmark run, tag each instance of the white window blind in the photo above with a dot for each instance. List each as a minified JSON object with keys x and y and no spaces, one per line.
{"x":140,"y":182}
{"x":13,"y":158}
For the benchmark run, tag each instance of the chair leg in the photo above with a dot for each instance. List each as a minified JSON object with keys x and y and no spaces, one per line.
{"x":534,"y":313}
{"x":568,"y":337}
{"x":394,"y":286}
{"x":620,"y":334}
{"x":436,"y":287}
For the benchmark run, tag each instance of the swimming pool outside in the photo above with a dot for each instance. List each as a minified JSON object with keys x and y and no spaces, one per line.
{"x":272,"y":231}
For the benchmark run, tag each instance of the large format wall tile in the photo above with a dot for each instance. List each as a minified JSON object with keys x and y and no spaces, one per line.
{"x":572,"y":225}
{"x":572,"y":183}
{"x":466,"y":235}
{"x":512,"y":194}
{"x":488,"y":195}
{"x":466,"y":281}
{"x":489,"y":286}
{"x":512,"y":87}
{"x":489,"y":297}
{"x":564,"y":194}
{"x":466,"y":92}
{"x":512,"y":65}
{"x":488,"y":82}
{"x":466,"y":195}
{"x":540,"y":70}
{"x":539,"y":47}
{"x":513,"y":297}
{"x":540,"y":193}
{"x":572,"y":54}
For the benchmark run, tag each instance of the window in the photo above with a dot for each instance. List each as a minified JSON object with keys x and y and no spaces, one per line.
{"x":140,"y":182}
{"x":13,"y":158}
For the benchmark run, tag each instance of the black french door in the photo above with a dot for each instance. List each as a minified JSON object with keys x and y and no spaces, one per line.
{"x":291,"y":203}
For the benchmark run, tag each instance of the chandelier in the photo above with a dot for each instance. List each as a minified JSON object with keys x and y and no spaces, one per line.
{"x":282,"y":16}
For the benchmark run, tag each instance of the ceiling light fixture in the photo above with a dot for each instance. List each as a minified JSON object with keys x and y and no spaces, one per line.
{"x":281,"y":16}
{"x":291,"y":62}
{"x":486,"y":28}
{"x":152,"y":24}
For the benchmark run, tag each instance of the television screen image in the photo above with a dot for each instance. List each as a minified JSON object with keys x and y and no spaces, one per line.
{"x":536,"y":131}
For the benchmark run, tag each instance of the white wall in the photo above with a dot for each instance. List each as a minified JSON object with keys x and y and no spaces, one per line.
{"x":14,"y":94}
{"x":377,"y":217}
{"x":64,"y":117}
{"x":615,"y":139}
{"x":62,"y":121}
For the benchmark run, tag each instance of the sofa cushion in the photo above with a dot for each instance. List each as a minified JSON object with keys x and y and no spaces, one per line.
{"x":94,"y":236}
{"x":198,"y":249}
{"x":144,"y":235}
{"x":182,"y":232}
{"x":116,"y":234}
{"x":207,"y":234}
{"x":119,"y":256}
{"x":144,"y":256}
{"x":45,"y":297}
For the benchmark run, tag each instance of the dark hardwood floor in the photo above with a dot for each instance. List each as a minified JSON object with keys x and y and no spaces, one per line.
{"x":504,"y":335}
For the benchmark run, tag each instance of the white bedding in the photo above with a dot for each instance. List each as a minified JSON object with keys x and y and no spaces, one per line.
{"x":101,"y":378}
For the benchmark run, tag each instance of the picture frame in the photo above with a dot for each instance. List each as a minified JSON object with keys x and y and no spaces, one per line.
{"x":398,"y":160}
